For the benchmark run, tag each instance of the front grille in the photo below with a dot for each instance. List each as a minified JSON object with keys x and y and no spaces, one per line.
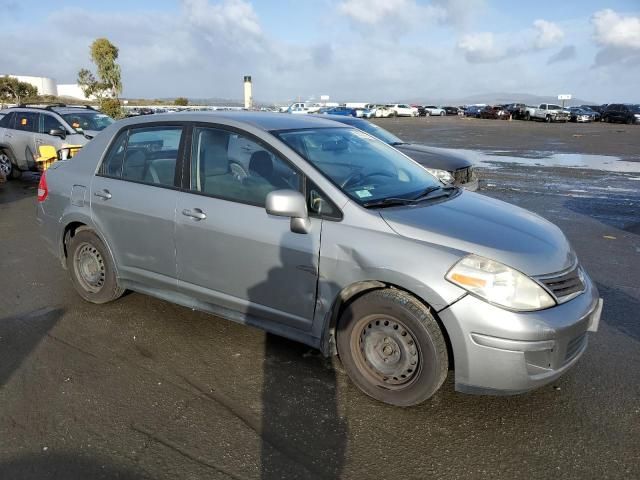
{"x":564,"y":286}
{"x":464,"y":175}
{"x":574,"y":346}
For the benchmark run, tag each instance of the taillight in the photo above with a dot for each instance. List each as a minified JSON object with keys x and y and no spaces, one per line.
{"x":43,"y":191}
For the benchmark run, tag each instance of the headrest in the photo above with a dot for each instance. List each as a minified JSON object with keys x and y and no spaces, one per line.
{"x":261,"y":164}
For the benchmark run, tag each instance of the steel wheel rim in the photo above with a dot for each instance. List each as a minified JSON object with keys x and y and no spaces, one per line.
{"x":89,"y":267}
{"x":386,"y":352}
{"x":5,"y":164}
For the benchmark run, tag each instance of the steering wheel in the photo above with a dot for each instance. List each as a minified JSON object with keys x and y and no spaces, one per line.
{"x":359,"y":176}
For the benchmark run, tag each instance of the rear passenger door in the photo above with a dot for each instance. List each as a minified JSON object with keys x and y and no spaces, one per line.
{"x":133,"y":203}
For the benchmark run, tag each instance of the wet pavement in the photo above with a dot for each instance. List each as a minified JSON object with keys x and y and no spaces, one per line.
{"x":141,"y":388}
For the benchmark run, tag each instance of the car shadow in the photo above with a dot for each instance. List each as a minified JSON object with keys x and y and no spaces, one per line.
{"x":48,"y":466}
{"x":15,"y":190}
{"x":20,"y":335}
{"x":620,"y":310}
{"x":303,"y":433}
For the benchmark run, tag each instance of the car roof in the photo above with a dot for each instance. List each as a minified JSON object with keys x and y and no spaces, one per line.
{"x":266,"y":121}
{"x":355,"y":121}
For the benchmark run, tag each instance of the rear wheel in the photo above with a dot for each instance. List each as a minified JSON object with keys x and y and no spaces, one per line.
{"x":392,"y":347}
{"x":442,"y":114}
{"x":91,"y":268}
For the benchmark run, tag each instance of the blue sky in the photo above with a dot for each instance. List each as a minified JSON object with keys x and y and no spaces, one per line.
{"x":359,"y":50}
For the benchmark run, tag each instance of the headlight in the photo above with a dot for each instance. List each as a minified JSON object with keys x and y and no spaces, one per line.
{"x":442,"y":175}
{"x":498,"y":284}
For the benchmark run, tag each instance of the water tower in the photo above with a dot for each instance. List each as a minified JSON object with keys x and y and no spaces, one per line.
{"x":248,"y":97}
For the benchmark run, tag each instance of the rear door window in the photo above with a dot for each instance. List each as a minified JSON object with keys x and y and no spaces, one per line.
{"x":27,"y":121}
{"x":145,"y":155}
{"x":152,"y":154}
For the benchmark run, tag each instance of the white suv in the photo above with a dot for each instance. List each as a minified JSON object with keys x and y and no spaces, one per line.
{"x":403,"y":110}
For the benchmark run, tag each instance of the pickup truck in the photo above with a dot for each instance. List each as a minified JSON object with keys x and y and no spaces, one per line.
{"x":547,"y":112}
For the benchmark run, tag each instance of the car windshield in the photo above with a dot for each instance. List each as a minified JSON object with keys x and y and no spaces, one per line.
{"x":376,"y":131}
{"x":362,"y":166}
{"x":90,"y":120}
{"x":634,"y":108}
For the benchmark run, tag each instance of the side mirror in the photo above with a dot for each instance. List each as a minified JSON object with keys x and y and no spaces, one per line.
{"x":292,"y":204}
{"x":58,"y":132}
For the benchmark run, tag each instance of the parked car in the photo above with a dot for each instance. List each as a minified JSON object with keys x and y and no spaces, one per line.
{"x":408,"y":278}
{"x":403,"y":110}
{"x":448,"y":167}
{"x":352,"y":112}
{"x":381,"y":111}
{"x":622,"y":113}
{"x":518,"y":111}
{"x":433,"y":110}
{"x":452,"y":110}
{"x":597,"y":108}
{"x":580,"y":115}
{"x":23,"y":129}
{"x":473,"y":111}
{"x":547,"y":112}
{"x":422,"y":111}
{"x":596,"y":116}
{"x":365,"y":112}
{"x":495,"y":112}
{"x":303,"y":107}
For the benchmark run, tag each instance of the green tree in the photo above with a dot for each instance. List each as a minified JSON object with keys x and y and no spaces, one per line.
{"x":15,"y":91}
{"x":181,"y":101}
{"x":106,"y":84}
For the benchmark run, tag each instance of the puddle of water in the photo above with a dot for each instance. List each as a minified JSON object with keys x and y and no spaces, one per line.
{"x":546,"y":159}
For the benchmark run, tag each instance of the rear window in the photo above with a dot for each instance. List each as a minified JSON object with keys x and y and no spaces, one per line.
{"x":146,"y":155}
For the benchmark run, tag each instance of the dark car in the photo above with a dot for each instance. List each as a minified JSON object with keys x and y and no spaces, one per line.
{"x":496,"y":112}
{"x":446,"y":166}
{"x":596,"y":115}
{"x":622,"y":113}
{"x":473,"y":111}
{"x":518,"y":111}
{"x":422,"y":111}
{"x":581,"y":115}
{"x":452,"y":110}
{"x":597,"y":108}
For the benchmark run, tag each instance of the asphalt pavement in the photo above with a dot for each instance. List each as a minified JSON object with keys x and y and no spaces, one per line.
{"x":141,"y":388}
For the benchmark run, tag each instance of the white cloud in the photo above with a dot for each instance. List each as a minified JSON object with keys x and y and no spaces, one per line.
{"x":487,"y":47}
{"x":548,"y":34}
{"x":614,"y":30}
{"x":397,"y":15}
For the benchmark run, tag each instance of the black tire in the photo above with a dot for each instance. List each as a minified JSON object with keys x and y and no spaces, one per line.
{"x":391,"y":330}
{"x":547,"y":119}
{"x":88,"y":256}
{"x":442,"y":114}
{"x":8,"y":166}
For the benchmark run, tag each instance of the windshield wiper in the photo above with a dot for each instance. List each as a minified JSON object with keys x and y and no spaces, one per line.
{"x":394,"y":201}
{"x":393,"y":144}
{"x":425,"y":194}
{"x":389,"y":202}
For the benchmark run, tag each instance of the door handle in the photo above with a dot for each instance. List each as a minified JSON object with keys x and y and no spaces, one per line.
{"x":104,"y":194}
{"x":196,"y":213}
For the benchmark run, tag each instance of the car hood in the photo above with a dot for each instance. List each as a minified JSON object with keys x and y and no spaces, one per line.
{"x":491,"y":228}
{"x":433,"y":157}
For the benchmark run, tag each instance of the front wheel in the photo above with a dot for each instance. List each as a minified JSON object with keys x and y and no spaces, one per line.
{"x":442,"y":114}
{"x":392,"y":347}
{"x":92,"y":269}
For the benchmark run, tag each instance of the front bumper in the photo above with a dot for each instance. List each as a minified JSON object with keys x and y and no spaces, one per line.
{"x":501,"y":352}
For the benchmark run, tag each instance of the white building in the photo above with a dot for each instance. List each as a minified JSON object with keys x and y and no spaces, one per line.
{"x":48,"y":86}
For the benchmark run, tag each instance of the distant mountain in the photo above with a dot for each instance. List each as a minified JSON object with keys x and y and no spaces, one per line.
{"x":497,"y":98}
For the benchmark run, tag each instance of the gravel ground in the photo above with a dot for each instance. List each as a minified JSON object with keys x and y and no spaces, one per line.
{"x":141,"y":388}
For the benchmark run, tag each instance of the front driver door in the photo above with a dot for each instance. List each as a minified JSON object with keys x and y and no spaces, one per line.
{"x":233,"y":257}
